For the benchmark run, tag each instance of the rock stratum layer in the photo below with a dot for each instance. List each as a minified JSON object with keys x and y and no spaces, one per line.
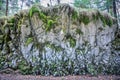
{"x":59,"y":40}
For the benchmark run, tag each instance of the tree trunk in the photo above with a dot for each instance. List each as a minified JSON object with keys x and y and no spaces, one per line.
{"x":58,"y":1}
{"x":22,"y":4}
{"x":50,"y":3}
{"x":115,"y":15}
{"x":6,"y":7}
{"x":114,"y":8}
{"x":107,"y":5}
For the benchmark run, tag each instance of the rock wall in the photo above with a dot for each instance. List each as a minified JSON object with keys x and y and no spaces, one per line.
{"x":58,"y":41}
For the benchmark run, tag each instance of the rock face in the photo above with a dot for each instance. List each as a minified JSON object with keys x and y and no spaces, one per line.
{"x":59,"y":40}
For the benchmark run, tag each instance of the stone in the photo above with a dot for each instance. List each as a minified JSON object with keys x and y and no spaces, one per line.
{"x":51,"y":46}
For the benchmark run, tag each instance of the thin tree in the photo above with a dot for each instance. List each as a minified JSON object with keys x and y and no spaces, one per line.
{"x":22,"y":4}
{"x":50,"y":3}
{"x":58,"y":1}
{"x":114,"y":8}
{"x":6,"y":7}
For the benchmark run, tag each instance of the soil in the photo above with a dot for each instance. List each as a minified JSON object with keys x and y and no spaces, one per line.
{"x":4,"y":76}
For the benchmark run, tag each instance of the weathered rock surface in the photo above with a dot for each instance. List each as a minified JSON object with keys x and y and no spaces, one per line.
{"x":59,"y":40}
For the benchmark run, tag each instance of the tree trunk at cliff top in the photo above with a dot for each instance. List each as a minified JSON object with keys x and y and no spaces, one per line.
{"x":7,"y":7}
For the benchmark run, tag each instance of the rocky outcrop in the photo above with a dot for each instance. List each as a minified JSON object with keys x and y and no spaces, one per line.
{"x":58,"y":40}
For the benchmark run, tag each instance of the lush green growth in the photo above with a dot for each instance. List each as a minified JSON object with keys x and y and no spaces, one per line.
{"x":49,"y":22}
{"x":106,"y":20}
{"x":81,"y":17}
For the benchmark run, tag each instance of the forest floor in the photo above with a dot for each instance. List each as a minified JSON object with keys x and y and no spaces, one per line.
{"x":38,"y":77}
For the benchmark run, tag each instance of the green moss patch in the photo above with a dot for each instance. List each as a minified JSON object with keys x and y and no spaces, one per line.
{"x":49,"y":21}
{"x":106,"y":20}
{"x":28,"y":41}
{"x":87,"y":16}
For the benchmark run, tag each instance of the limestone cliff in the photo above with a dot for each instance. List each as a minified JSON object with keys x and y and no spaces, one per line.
{"x":59,"y":40}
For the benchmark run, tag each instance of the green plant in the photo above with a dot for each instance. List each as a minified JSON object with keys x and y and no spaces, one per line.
{"x":109,"y":22}
{"x":33,"y":10}
{"x":95,"y":16}
{"x":92,"y":70}
{"x":12,"y":20}
{"x":28,"y":41}
{"x":7,"y":38}
{"x":49,"y":25}
{"x":74,"y":15}
{"x":84,"y":18}
{"x":2,"y":60}
{"x":71,"y":40}
{"x":106,"y":20}
{"x":24,"y":68}
{"x":48,"y":20}
{"x":103,"y":20}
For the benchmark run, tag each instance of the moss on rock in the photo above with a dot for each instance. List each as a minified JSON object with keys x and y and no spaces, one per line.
{"x":50,"y":21}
